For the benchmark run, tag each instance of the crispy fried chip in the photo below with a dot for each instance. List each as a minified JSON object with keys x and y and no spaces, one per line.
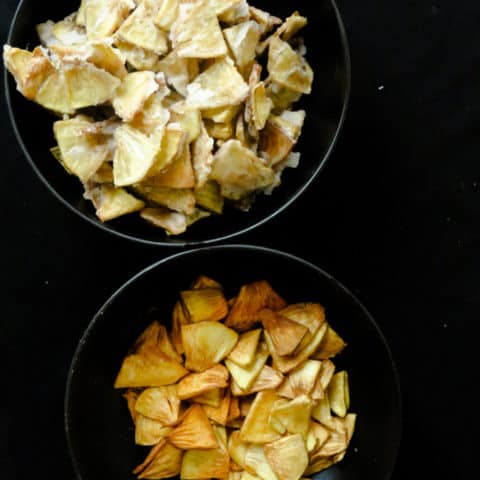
{"x":287,"y":456}
{"x":204,"y":304}
{"x":198,"y":383}
{"x":165,"y":462}
{"x":244,"y":352}
{"x":242,"y":40}
{"x":159,"y":403}
{"x":103,"y":17}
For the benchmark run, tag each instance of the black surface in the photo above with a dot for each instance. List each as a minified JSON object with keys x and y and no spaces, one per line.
{"x":396,"y":220}
{"x":92,"y":405}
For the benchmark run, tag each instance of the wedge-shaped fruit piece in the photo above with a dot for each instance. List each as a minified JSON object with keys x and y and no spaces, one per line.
{"x":238,"y":171}
{"x":196,"y":32}
{"x":131,"y":397}
{"x":244,"y":377}
{"x":202,"y":158}
{"x":220,"y":414}
{"x":291,"y":122}
{"x":256,"y":428}
{"x":220,"y":85}
{"x":156,"y":336}
{"x":206,"y":464}
{"x":213,"y":397}
{"x":178,"y":173}
{"x":237,"y":448}
{"x":164,"y":461}
{"x":289,"y":362}
{"x":132,"y":94}
{"x":179,"y":318}
{"x":177,"y":199}
{"x":294,"y":415}
{"x":310,"y":315}
{"x":252,"y":298}
{"x":30,"y":69}
{"x":198,"y":383}
{"x":264,"y":19}
{"x":205,"y":304}
{"x":322,"y":413}
{"x":256,"y":463}
{"x":282,"y":97}
{"x":83,"y":146}
{"x":188,"y":118}
{"x":285,"y":334}
{"x":268,"y":378}
{"x":174,"y":223}
{"x":261,"y":105}
{"x":319,"y":465}
{"x":331,"y":345}
{"x":178,"y":71}
{"x":288,"y":68}
{"x":134,"y":156}
{"x":160,"y":403}
{"x":336,"y":443}
{"x":67,"y":32}
{"x":205,"y":282}
{"x":149,"y":432}
{"x":221,"y":6}
{"x":301,"y":380}
{"x":275,"y":145}
{"x":209,"y":197}
{"x":291,"y":26}
{"x":167,"y":13}
{"x":221,"y":114}
{"x":244,"y":352}
{"x":103,"y":17}
{"x":243,"y":39}
{"x":150,"y":369}
{"x":76,"y":86}
{"x":207,"y":343}
{"x":138,"y":58}
{"x":326,"y":373}
{"x":219,"y":131}
{"x":287,"y":456}
{"x":172,"y":148}
{"x":194,"y":431}
{"x":338,"y":393}
{"x":320,"y":433}
{"x":140,"y":30}
{"x":111,"y":202}
{"x":237,"y":12}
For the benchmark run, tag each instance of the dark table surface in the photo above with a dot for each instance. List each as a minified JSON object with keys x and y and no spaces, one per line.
{"x":398,"y":216}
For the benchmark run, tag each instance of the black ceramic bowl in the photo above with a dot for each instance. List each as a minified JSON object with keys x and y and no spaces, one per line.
{"x":326,"y":106}
{"x":98,"y":426}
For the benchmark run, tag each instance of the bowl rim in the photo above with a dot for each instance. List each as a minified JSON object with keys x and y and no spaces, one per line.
{"x":232,"y":248}
{"x":210,"y":240}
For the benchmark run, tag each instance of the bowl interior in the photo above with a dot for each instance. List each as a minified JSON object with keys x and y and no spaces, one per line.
{"x":328,"y":55}
{"x":99,"y":429}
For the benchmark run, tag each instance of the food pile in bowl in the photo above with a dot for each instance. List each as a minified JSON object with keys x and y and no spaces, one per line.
{"x":170,"y":108}
{"x":242,"y":388}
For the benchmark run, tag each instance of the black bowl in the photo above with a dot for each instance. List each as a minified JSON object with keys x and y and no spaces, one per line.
{"x":98,"y":426}
{"x":326,"y":107}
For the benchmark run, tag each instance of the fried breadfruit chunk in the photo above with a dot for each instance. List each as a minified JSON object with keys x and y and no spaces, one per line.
{"x":301,"y":380}
{"x":252,"y":298}
{"x":207,"y":343}
{"x":159,"y":403}
{"x":194,"y":431}
{"x":256,"y":427}
{"x":219,"y":414}
{"x":178,"y":199}
{"x":238,"y":171}
{"x":174,"y":223}
{"x":327,"y":370}
{"x":292,"y":416}
{"x":339,"y":394}
{"x":151,"y":368}
{"x":204,"y":304}
{"x":237,"y":448}
{"x":111,"y":202}
{"x":202,"y":158}
{"x":256,"y":462}
{"x":198,"y":383}
{"x":196,"y":32}
{"x":285,"y":334}
{"x":206,"y":464}
{"x":267,"y":379}
{"x":264,"y":19}
{"x":243,"y":39}
{"x":288,"y":68}
{"x":167,"y":13}
{"x":178,"y":71}
{"x":29,"y":69}
{"x":287,"y":456}
{"x":103,"y":17}
{"x":163,"y":461}
{"x":140,"y":30}
{"x":244,"y":352}
{"x":209,"y":197}
{"x":213,"y":398}
{"x":331,"y":345}
{"x":220,"y":85}
{"x":244,"y":377}
{"x":138,"y":58}
{"x":149,"y":432}
{"x":156,"y":337}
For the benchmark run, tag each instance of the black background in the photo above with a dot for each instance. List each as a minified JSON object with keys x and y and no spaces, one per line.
{"x":395,"y":216}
